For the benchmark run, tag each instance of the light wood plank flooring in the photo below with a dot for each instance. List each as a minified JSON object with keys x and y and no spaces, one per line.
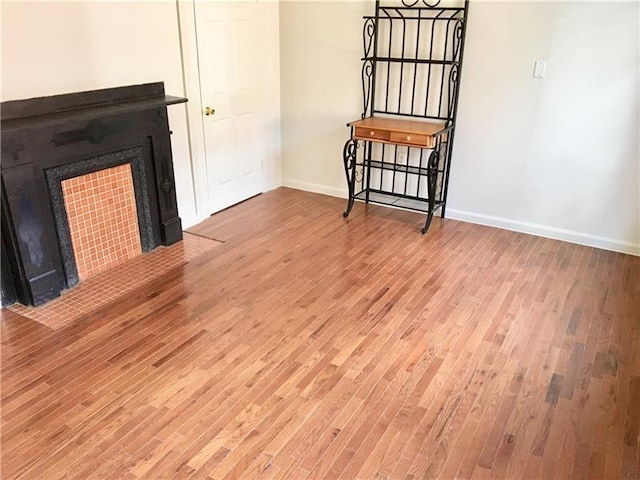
{"x":308,"y":346}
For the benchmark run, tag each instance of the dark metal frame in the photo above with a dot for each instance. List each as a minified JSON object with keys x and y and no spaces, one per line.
{"x":411,"y":68}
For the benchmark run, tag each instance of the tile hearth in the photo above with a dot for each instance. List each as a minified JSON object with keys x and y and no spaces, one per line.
{"x":113,"y":284}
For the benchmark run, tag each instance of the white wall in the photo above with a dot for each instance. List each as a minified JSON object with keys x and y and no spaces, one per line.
{"x":320,"y":48}
{"x":557,"y":157}
{"x":51,"y":48}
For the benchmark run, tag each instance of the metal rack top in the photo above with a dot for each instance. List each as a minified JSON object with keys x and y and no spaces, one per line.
{"x":423,"y":5}
{"x":411,"y":60}
{"x":457,"y":15}
{"x":418,"y":9}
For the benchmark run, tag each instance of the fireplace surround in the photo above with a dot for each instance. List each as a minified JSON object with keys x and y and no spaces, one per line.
{"x":48,"y":140}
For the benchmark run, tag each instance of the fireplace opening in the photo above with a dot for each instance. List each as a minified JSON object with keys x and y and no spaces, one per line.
{"x":103,"y":221}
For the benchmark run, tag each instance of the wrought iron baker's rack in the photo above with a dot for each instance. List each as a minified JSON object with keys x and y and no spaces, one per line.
{"x":411,"y":69}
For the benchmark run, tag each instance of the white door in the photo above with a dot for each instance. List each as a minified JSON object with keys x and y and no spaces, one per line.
{"x":234,"y":91}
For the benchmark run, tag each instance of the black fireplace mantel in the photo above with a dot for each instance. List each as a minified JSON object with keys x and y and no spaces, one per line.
{"x":49,"y":139}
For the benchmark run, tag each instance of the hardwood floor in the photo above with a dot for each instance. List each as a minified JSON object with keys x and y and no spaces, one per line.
{"x":308,"y":346}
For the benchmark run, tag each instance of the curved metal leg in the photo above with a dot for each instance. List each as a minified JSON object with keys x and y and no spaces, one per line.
{"x":432,"y":176}
{"x":349,"y":158}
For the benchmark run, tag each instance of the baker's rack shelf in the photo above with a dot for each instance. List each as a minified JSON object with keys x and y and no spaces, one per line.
{"x":399,"y":151}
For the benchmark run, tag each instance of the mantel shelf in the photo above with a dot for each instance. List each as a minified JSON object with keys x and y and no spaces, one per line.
{"x":87,"y":113}
{"x":19,"y":114}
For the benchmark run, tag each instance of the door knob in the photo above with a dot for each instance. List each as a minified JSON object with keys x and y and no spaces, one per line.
{"x":209,"y":111}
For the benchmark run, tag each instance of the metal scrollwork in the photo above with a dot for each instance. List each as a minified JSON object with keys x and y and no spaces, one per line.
{"x":415,"y":2}
{"x":368,"y":38}
{"x":409,"y":4}
{"x":439,"y":186}
{"x":453,"y":89}
{"x":432,"y":175}
{"x":359,"y":174}
{"x":432,"y":166}
{"x":457,"y":38}
{"x":367,"y":84}
{"x":368,"y":34}
{"x":349,"y":155}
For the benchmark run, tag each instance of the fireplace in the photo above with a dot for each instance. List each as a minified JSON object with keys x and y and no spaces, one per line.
{"x":87,"y":183}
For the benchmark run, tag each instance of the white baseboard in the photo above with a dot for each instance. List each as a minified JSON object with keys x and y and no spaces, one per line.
{"x":546,"y":231}
{"x":499,"y":222}
{"x":315,"y":188}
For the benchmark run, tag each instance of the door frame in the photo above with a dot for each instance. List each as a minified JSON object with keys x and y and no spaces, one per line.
{"x":195,"y":126}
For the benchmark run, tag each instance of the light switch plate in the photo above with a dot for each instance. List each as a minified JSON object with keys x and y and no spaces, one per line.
{"x":539,"y":68}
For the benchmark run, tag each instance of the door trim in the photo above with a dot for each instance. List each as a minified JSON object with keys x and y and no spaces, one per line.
{"x":191,"y":79}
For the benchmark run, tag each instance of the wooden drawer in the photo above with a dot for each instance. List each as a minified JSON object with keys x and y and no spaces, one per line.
{"x":412,"y":139}
{"x":371,"y":134}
